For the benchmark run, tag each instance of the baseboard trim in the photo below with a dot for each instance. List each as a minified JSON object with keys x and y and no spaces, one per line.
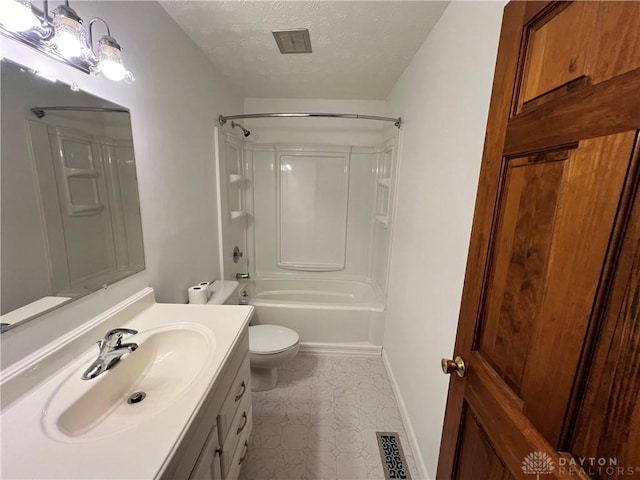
{"x":340,"y":349}
{"x":411,"y":434}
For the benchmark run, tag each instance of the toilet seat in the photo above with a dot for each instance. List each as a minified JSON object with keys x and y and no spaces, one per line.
{"x":270,"y":339}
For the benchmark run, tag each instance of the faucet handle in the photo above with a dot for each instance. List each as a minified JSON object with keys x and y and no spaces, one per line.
{"x":113,"y":338}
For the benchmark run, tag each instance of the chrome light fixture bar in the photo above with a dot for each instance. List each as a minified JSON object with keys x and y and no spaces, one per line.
{"x":63,"y":37}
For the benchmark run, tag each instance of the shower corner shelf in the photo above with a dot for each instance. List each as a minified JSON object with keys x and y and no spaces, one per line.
{"x":384,"y":182}
{"x":383,"y":219}
{"x":235,"y":178}
{"x":236,"y":214}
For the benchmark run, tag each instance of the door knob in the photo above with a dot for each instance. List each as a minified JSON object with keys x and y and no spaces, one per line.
{"x":450,"y":366}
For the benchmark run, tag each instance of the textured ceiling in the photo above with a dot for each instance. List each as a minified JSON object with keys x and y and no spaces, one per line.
{"x":360,"y":48}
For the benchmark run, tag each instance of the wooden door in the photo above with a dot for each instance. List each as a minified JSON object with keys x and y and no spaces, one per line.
{"x":548,"y":325}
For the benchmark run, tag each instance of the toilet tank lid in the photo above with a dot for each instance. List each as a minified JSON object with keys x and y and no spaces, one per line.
{"x":266,"y":339}
{"x":220,"y":291}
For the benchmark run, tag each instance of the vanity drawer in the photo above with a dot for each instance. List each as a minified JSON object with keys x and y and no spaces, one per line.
{"x":242,"y":421}
{"x":231,"y":468}
{"x":240,"y":391}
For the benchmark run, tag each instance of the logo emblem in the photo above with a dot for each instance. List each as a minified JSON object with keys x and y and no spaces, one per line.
{"x":538,"y":463}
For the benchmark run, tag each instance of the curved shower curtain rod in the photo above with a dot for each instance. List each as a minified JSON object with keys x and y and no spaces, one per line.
{"x":396,"y":121}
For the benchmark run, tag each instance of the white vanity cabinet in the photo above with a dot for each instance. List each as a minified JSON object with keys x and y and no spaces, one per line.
{"x":217,"y":442}
{"x":235,"y":422}
{"x":192,"y":363}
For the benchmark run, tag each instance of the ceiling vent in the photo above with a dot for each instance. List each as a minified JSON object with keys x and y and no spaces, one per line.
{"x":293,"y":41}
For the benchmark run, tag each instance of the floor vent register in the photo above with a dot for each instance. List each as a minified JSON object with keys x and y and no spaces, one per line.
{"x":393,"y":460}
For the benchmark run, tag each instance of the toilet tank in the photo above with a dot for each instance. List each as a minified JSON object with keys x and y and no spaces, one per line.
{"x":224,"y":292}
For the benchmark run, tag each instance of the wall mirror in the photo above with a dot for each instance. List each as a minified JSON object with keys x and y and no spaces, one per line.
{"x":69,"y":211}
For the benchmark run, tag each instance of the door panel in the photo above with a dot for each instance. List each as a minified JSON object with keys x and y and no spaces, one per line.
{"x":589,"y":198}
{"x":558,"y":211}
{"x":478,"y":458}
{"x":499,"y":411}
{"x":556,"y":182}
{"x":522,"y":247}
{"x":617,"y":49}
{"x":557,"y":48}
{"x":562,"y":54}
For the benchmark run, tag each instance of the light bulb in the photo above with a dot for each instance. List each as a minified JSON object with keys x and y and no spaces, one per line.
{"x":68,"y":45}
{"x":112,"y":70}
{"x":110,"y":60}
{"x":70,"y":38}
{"x":17,"y":16}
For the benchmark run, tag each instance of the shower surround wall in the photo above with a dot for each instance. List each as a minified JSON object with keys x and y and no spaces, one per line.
{"x":323,"y":169}
{"x":312,"y":210}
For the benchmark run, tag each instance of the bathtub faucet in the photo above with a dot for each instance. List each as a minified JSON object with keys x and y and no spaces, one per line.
{"x":242,"y":276}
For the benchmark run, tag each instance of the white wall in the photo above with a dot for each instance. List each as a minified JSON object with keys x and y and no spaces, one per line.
{"x":174,"y":101}
{"x":443,"y":98}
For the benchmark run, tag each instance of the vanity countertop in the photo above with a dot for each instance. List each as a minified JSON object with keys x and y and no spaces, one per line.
{"x":139,"y":444}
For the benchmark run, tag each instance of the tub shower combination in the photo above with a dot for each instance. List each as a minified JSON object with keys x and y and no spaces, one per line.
{"x":326,"y":313}
{"x":315,"y":221}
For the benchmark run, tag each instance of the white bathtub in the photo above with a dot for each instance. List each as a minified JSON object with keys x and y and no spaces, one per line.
{"x":329,"y":315}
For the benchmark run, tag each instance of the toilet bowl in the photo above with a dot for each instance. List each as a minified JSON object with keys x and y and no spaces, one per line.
{"x":269,"y":345}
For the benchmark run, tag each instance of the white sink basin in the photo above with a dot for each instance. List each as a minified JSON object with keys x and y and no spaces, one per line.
{"x":164,"y":366}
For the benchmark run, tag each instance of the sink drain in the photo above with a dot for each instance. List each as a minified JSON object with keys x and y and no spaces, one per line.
{"x":136,"y":397}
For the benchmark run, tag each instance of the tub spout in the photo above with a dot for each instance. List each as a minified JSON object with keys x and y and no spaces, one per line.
{"x":242,"y":276}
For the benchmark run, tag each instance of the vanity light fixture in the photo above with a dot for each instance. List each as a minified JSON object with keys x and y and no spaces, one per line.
{"x":63,"y":37}
{"x":109,"y":55}
{"x":17,"y":15}
{"x":69,"y":37}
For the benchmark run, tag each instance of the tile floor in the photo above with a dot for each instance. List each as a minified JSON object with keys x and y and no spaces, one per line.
{"x":320,"y":422}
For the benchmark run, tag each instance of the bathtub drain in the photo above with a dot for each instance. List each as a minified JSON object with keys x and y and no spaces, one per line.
{"x":136,"y":397}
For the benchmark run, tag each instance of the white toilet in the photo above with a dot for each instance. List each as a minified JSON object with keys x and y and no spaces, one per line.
{"x":269,"y":345}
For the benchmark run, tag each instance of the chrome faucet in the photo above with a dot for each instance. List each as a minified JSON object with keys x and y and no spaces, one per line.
{"x":111,"y":349}
{"x":242,"y":276}
{"x":244,"y":298}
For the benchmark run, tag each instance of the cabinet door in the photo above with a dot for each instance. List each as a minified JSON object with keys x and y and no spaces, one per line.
{"x":208,"y":464}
